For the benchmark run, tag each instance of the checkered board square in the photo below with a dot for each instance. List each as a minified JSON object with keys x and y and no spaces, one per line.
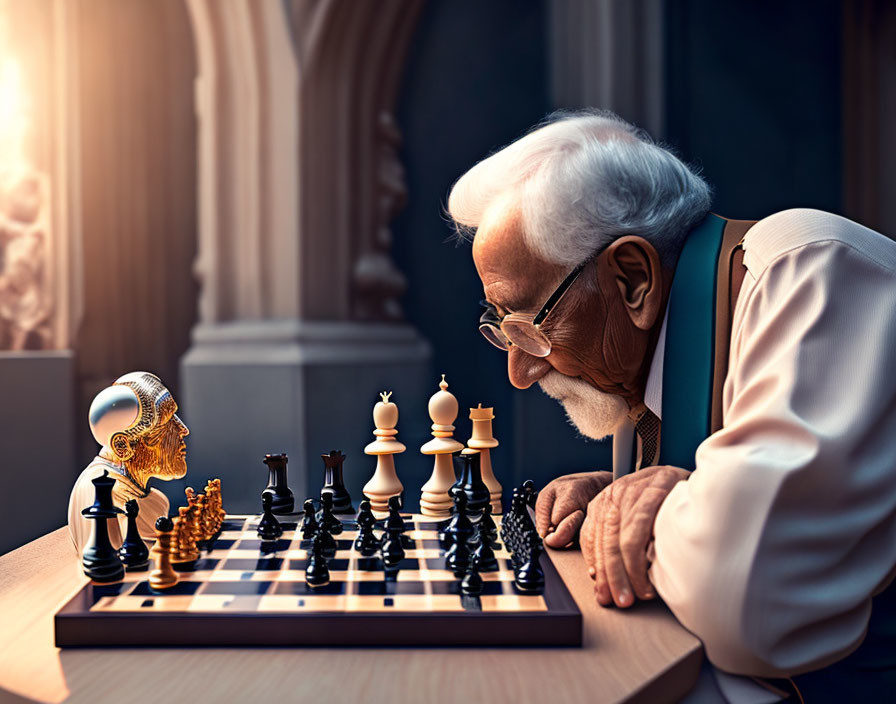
{"x":243,"y":591}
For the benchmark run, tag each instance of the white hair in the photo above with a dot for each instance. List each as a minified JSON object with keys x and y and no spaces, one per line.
{"x":581,"y":180}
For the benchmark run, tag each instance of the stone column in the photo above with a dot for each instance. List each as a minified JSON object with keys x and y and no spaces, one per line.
{"x":299,"y":322}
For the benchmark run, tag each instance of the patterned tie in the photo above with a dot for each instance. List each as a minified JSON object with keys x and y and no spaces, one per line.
{"x":648,"y":429}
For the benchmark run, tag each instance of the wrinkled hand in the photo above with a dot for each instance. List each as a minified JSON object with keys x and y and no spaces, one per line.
{"x":618,"y":529}
{"x":561,"y":506}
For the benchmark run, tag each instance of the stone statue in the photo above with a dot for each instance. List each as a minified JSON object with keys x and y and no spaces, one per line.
{"x":134,"y":421}
{"x":25,"y":303}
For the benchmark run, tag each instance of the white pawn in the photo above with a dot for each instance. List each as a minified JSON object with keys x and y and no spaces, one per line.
{"x":434,"y":497}
{"x":384,"y":483}
{"x":484,"y":441}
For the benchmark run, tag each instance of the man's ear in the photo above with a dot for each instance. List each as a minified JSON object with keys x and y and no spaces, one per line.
{"x":634,"y":265}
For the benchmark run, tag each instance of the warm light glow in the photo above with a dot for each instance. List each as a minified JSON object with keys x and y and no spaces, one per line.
{"x":13,"y":116}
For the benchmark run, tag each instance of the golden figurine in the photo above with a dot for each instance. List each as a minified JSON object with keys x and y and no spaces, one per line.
{"x":141,"y":437}
{"x":183,"y":545}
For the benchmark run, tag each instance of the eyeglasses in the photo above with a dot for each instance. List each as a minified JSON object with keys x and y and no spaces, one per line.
{"x":521,"y":330}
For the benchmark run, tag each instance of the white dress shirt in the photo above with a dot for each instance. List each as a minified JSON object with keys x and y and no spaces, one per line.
{"x":771,"y":551}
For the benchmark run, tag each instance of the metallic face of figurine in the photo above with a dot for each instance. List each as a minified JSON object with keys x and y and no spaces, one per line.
{"x":162,"y":452}
{"x":135,"y":422}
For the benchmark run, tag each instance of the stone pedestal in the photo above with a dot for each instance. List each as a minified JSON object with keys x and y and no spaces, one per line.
{"x":37,"y":443}
{"x":299,"y":387}
{"x":300,"y":326}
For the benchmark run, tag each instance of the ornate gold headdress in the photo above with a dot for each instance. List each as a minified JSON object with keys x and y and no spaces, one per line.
{"x":135,"y":405}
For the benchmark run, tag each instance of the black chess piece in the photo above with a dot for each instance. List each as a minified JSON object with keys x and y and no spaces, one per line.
{"x":133,"y":551}
{"x":530,"y":495}
{"x":100,"y":560}
{"x":392,"y":550}
{"x":458,"y":556}
{"x":268,"y":527}
{"x":317,"y":572}
{"x":283,"y":501}
{"x":485,"y":554}
{"x":529,"y":576}
{"x":461,"y":527}
{"x":446,"y":535}
{"x":334,"y":483}
{"x":394,"y":521}
{"x":471,"y":585}
{"x":310,"y":526}
{"x":469,"y":468}
{"x":327,"y":542}
{"x":325,"y":516}
{"x":366,"y":543}
{"x":487,"y":526}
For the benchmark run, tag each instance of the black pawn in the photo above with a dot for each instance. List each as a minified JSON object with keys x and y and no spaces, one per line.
{"x":530,"y":495}
{"x":268,"y":527}
{"x":458,"y":556}
{"x":471,"y":585}
{"x":460,"y":528}
{"x":394,"y":521}
{"x":310,"y":525}
{"x":392,"y":549}
{"x":334,"y":483}
{"x":317,"y":573}
{"x":281,"y":496}
{"x":100,"y":560}
{"x":366,"y":543}
{"x":133,"y":551}
{"x":446,"y":535}
{"x":484,"y":556}
{"x":529,"y":576}
{"x":470,"y":470}
{"x":487,"y":526}
{"x":327,"y":520}
{"x":327,"y":542}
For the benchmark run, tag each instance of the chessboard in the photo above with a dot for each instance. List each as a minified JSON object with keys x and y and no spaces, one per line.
{"x":244,"y":591}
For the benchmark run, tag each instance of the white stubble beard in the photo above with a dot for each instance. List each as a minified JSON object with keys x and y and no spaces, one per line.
{"x":594,"y":414}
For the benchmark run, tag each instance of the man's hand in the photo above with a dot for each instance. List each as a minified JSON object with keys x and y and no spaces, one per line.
{"x":561,"y":506}
{"x":618,"y":529}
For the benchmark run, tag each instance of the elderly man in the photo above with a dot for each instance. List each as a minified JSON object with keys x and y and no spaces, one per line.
{"x":754,"y":363}
{"x":140,"y":436}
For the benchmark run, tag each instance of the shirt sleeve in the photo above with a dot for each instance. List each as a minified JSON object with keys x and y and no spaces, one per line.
{"x":771,"y":551}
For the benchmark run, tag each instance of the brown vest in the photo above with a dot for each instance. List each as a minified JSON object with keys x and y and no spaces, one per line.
{"x":729,"y":278}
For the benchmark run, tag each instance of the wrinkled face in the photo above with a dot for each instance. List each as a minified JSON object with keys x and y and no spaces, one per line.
{"x":162,"y":452}
{"x":586,"y":370}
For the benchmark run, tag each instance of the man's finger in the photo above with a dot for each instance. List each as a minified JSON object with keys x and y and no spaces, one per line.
{"x":614,"y":567}
{"x":566,"y":530}
{"x":601,"y":589}
{"x":543,"y":507}
{"x":586,"y":542}
{"x":634,"y":538}
{"x":564,"y":505}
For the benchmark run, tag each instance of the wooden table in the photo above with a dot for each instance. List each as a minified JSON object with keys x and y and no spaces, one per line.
{"x":639,"y":654}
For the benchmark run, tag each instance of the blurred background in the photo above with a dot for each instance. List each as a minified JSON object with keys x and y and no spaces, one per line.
{"x":246,"y":198}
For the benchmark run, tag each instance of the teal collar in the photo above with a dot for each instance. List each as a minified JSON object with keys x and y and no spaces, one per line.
{"x":690,"y":346}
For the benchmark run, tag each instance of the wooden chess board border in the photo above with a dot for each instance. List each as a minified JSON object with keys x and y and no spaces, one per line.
{"x":76,"y":625}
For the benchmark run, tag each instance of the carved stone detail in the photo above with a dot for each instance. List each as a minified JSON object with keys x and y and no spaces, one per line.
{"x":299,"y":171}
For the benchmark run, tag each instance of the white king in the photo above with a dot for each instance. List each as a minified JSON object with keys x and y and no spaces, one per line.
{"x":384,"y":483}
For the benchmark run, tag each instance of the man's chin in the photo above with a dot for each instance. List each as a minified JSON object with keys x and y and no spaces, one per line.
{"x":595,"y":414}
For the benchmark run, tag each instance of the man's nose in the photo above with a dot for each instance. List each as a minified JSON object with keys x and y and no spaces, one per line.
{"x":523,"y":369}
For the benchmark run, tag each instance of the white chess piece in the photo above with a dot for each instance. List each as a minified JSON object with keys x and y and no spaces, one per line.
{"x":484,"y":441}
{"x":384,"y":483}
{"x":434,"y":497}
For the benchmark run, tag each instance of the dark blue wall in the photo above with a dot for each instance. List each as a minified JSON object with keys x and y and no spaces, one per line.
{"x":753,"y":97}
